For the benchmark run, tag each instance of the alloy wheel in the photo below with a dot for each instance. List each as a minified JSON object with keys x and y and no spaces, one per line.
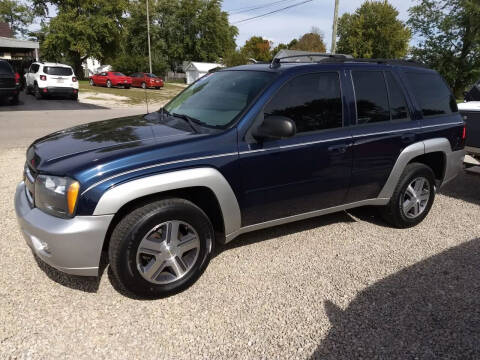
{"x":415,"y":197}
{"x":168,"y":252}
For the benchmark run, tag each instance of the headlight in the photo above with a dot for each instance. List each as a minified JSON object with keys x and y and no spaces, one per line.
{"x":56,"y":195}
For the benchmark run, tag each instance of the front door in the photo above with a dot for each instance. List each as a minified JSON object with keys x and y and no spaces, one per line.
{"x":307,"y":172}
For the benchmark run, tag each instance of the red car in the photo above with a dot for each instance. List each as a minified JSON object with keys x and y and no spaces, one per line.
{"x":146,"y":80}
{"x":111,"y":78}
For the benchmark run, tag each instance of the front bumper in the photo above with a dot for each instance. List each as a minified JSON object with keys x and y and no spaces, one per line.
{"x":73,"y":246}
{"x":454,"y":165}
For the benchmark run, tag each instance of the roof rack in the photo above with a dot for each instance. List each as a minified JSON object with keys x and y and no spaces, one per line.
{"x":341,"y":58}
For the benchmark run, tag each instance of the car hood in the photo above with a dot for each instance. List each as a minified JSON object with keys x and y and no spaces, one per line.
{"x":97,"y":140}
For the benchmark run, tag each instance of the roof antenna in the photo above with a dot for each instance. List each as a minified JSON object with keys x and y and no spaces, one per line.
{"x":275,"y":63}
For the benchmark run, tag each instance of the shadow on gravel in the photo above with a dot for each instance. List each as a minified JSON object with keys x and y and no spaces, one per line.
{"x":88,"y":284}
{"x":284,"y":230}
{"x":30,"y":103}
{"x":466,"y":187}
{"x":430,"y":310}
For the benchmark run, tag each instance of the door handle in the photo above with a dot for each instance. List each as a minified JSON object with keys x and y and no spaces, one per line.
{"x":339,"y":149}
{"x":408,"y":138}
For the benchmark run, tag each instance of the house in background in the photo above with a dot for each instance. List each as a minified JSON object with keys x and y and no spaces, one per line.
{"x":195,"y":70}
{"x":92,"y":66}
{"x":16,"y":49}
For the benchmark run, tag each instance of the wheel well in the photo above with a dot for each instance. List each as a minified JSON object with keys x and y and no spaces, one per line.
{"x":435,"y":161}
{"x":201,"y":196}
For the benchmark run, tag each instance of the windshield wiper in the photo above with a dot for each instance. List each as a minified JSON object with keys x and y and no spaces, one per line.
{"x":187,"y":118}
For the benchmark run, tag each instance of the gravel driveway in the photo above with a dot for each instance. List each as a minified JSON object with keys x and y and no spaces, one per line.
{"x":339,"y":286}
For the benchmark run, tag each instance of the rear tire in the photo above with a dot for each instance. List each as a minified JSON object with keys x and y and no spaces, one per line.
{"x":412,"y":198}
{"x":144,"y":86}
{"x":148,"y":260}
{"x":14,"y":100}
{"x":37,"y":93}
{"x":75,"y":97}
{"x":92,"y":83}
{"x":28,"y":91}
{"x":109,"y":84}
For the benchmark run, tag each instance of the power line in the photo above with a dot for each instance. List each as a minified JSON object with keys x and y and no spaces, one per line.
{"x":252,"y":8}
{"x":272,"y":12}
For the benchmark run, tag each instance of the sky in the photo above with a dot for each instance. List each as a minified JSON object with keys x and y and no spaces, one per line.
{"x":286,"y":25}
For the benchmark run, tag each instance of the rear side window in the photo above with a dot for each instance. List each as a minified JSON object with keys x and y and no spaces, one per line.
{"x":57,"y":70}
{"x":398,"y":105}
{"x":312,"y":101}
{"x":5,"y":68}
{"x":432,"y":94}
{"x":371,"y":97}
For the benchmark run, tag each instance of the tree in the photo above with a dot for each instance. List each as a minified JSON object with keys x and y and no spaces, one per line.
{"x":449,"y":33}
{"x":373,"y":31}
{"x":312,"y":41}
{"x":235,"y":58}
{"x":18,"y":16}
{"x":82,"y":29}
{"x":257,"y":48}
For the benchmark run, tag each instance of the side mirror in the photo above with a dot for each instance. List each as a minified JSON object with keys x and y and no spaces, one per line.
{"x":275,"y":127}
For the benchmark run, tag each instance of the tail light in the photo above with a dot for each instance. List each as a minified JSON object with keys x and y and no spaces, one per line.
{"x":43,"y":77}
{"x":17,"y":79}
{"x":74,"y":79}
{"x":464,"y":132}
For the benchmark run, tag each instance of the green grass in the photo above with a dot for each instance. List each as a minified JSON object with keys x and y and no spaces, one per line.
{"x":135,"y":96}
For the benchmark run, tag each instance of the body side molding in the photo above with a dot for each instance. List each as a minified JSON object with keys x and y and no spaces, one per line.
{"x":113,"y":199}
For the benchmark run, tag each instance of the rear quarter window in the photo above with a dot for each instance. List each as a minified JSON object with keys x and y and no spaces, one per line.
{"x":432,"y":93}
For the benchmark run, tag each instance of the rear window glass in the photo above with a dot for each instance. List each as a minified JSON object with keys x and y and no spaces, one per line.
{"x":398,"y":105}
{"x":57,"y":70}
{"x":5,"y":68}
{"x":432,"y":94}
{"x":118,"y":74}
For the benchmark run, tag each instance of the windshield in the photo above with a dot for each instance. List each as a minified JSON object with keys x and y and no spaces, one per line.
{"x":216,"y":99}
{"x":118,"y":74}
{"x":57,"y":70}
{"x":151,"y":75}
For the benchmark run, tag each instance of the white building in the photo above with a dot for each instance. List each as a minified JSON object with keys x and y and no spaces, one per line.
{"x":92,"y":66}
{"x":195,"y":70}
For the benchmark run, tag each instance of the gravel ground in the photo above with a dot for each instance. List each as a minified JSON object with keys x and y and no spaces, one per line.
{"x":338,"y":286}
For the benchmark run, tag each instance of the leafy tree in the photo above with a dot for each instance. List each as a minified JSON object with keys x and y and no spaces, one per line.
{"x":17,"y":15}
{"x":257,"y":48}
{"x":82,"y":29}
{"x":312,"y":41}
{"x":373,"y":31}
{"x":235,"y":58}
{"x":449,"y":33}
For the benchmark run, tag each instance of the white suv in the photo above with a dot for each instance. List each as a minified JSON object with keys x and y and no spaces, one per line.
{"x":43,"y":79}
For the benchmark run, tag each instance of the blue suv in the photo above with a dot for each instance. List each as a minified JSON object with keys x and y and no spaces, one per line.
{"x":241,"y":149}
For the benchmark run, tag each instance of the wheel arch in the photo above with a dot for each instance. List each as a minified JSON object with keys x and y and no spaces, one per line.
{"x":432,"y":152}
{"x":205,"y":187}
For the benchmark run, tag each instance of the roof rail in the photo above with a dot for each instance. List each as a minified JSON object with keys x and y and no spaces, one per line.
{"x":341,"y":58}
{"x":276,"y":61}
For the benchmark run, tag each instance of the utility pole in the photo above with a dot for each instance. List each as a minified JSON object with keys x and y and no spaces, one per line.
{"x":148,"y":37}
{"x":334,"y":30}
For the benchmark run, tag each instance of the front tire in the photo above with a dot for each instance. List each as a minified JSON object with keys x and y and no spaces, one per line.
{"x":37,"y":93}
{"x":413,"y":197}
{"x":109,"y":84}
{"x":161,"y":248}
{"x":144,"y":86}
{"x":92,"y":83}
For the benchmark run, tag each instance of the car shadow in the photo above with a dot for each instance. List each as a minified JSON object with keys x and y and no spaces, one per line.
{"x":89,"y":284}
{"x":30,"y":103}
{"x":430,"y":310}
{"x":283,"y":230}
{"x":464,"y":187}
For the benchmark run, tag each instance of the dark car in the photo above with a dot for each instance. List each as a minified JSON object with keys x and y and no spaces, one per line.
{"x":146,"y":81}
{"x":9,"y":83}
{"x":241,"y":149}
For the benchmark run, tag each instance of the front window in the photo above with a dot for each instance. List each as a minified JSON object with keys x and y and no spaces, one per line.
{"x":216,"y":99}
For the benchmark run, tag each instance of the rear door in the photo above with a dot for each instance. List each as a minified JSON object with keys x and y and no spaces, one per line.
{"x":383,"y":127}
{"x":307,"y":172}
